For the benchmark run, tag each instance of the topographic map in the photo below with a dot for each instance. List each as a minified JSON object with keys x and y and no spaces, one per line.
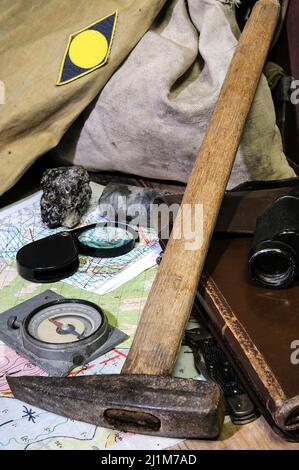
{"x":26,"y":427}
{"x":21,"y":425}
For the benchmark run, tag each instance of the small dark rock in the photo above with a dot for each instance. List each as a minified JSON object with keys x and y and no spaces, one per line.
{"x":66,"y":195}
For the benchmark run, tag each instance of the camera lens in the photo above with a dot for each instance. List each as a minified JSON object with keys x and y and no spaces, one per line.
{"x":273,"y":265}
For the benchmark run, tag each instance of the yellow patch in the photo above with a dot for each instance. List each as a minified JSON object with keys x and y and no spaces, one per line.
{"x":88,"y":49}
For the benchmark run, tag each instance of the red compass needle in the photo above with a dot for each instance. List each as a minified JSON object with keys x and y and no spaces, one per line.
{"x":56,"y":323}
{"x":63,"y":329}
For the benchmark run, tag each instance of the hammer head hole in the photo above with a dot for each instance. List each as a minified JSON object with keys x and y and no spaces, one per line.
{"x":124,"y":419}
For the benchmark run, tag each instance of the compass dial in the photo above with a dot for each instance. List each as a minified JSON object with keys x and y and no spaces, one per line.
{"x":66,"y":322}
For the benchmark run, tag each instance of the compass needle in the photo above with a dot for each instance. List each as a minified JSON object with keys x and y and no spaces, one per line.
{"x":56,"y":323}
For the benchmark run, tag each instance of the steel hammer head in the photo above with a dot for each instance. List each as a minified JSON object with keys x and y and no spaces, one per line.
{"x":145,"y":404}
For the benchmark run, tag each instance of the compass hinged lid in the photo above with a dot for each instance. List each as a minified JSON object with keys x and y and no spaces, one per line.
{"x":49,"y":259}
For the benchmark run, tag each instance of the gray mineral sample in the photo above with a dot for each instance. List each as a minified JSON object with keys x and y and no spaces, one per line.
{"x":66,"y":195}
{"x":130,"y":204}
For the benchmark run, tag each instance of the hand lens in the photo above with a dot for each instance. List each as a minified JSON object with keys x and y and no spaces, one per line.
{"x":56,"y":257}
{"x":107,"y":240}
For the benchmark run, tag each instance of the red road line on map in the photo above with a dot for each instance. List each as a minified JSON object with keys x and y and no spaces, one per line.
{"x":31,"y":234}
{"x":89,"y":264}
{"x":81,"y":371}
{"x":109,"y":360}
{"x":120,"y":353}
{"x":74,"y":373}
{"x":96,"y":268}
{"x":147,"y":240}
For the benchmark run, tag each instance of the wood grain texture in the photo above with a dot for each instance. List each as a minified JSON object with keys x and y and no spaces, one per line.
{"x":168,"y":308}
{"x":254,"y":436}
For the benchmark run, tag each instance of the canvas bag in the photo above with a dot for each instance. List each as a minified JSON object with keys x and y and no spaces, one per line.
{"x":151,"y":117}
{"x":34,"y":112}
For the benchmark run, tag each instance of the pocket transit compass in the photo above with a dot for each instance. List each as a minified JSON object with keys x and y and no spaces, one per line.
{"x":58,"y":334}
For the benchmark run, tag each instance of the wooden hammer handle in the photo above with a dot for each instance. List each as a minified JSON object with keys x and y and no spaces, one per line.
{"x":163,"y":322}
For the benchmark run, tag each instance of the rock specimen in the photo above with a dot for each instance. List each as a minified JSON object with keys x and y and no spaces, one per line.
{"x":66,"y":195}
{"x":128,"y":203}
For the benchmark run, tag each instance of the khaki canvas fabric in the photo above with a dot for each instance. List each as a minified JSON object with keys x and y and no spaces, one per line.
{"x":151,"y":117}
{"x":33,"y":37}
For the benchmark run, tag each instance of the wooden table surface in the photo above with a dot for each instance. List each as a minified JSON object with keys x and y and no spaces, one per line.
{"x":254,"y":436}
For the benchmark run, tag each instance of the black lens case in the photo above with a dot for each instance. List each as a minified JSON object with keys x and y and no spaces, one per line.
{"x":56,"y":257}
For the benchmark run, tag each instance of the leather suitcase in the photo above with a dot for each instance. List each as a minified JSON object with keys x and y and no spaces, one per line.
{"x":255,"y":326}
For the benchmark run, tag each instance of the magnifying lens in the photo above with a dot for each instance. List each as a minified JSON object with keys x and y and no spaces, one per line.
{"x":106,"y":240}
{"x":56,"y":257}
